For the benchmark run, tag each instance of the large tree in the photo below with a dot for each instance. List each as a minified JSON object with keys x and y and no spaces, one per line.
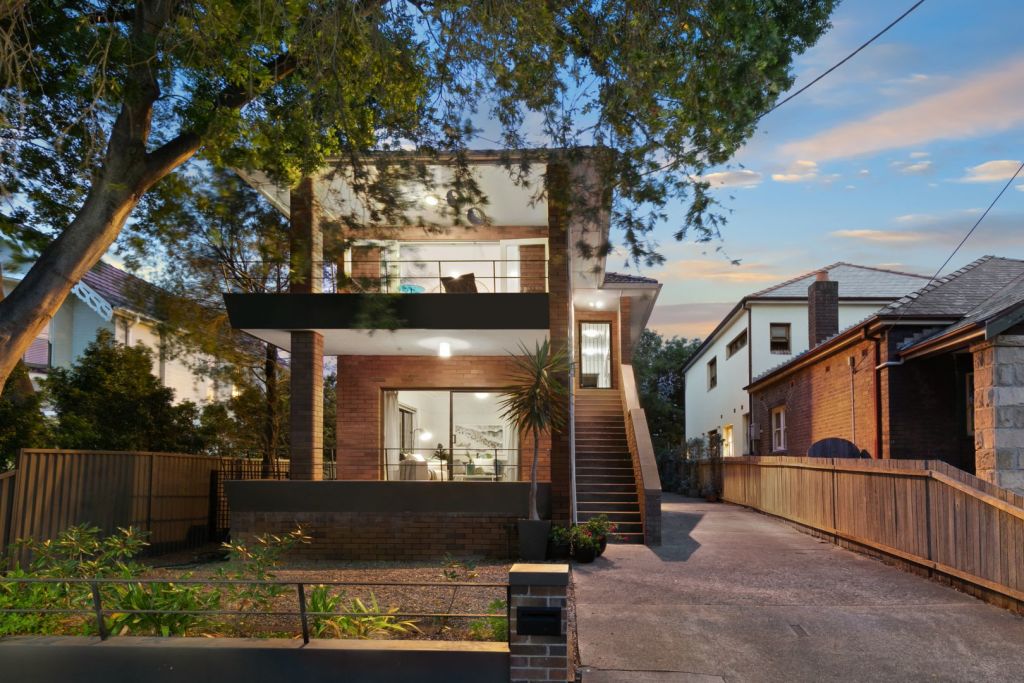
{"x":102,"y":99}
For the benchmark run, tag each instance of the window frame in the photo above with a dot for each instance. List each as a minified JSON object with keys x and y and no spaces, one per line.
{"x":779,"y":440}
{"x":712,"y":369}
{"x":738,"y":343}
{"x":789,"y":339}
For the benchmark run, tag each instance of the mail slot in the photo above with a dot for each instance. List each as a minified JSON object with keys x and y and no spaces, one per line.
{"x":539,"y":621}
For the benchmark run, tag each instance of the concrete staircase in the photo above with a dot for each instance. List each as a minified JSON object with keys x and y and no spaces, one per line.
{"x":604,"y":470}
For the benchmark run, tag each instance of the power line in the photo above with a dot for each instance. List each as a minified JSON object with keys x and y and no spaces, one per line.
{"x":845,"y":59}
{"x":978,"y":222}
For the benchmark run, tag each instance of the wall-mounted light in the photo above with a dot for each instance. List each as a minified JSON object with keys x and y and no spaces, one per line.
{"x":444,"y":350}
{"x":482,"y":395}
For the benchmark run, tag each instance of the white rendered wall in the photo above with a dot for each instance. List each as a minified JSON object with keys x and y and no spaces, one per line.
{"x":724,"y":405}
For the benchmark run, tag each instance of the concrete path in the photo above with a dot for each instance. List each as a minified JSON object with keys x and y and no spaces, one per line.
{"x":734,"y":595}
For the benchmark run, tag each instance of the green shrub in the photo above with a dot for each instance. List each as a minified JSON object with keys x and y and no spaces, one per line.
{"x":364,"y":622}
{"x":491,"y":628}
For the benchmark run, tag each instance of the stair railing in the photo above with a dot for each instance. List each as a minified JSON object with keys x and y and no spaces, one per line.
{"x":641,"y":452}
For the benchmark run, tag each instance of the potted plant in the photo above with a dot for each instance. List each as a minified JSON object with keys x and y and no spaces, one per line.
{"x":534,"y":402}
{"x":584,"y":544}
{"x":601,"y":529}
{"x":559,"y":544}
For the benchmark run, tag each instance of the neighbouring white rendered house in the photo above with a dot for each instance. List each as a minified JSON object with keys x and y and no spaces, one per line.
{"x":766,"y":329}
{"x":107,"y":299}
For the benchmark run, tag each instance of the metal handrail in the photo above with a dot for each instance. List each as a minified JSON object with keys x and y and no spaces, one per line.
{"x":499,"y":470}
{"x":99,"y":612}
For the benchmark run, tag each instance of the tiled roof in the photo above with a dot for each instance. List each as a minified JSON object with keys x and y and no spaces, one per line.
{"x":855,"y":282}
{"x":123,"y":290}
{"x":962,"y":292}
{"x":626,"y":279}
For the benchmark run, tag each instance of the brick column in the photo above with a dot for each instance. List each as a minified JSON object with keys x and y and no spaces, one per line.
{"x":559,"y":300}
{"x":625,"y":330}
{"x":999,"y":411}
{"x":307,"y":347}
{"x":537,"y":657}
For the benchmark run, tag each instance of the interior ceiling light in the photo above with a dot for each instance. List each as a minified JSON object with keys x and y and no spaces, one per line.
{"x":444,"y":350}
{"x":431,"y":200}
{"x":482,"y":395}
{"x":476,"y":216}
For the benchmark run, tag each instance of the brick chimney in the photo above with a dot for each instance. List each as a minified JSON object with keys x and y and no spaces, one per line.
{"x":822,"y":309}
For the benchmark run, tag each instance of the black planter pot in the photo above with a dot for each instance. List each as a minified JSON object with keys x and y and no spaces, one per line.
{"x":558,"y":551}
{"x":585,"y":555}
{"x":602,"y":543}
{"x":533,"y":539}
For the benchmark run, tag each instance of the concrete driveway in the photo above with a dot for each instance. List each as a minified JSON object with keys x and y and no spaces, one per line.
{"x":734,"y":595}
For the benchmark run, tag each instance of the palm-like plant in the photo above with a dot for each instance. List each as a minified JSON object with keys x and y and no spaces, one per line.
{"x":534,"y":399}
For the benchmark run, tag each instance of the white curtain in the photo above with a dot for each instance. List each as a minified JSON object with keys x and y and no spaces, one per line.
{"x":596,"y":349}
{"x":392,"y":433}
{"x":510,"y":442}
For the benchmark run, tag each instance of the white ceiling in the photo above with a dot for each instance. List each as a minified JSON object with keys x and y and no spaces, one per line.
{"x":413,"y":342}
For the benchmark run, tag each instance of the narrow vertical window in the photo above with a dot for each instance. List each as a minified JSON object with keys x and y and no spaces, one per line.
{"x":779,"y":428}
{"x":712,"y":373}
{"x":596,"y":355}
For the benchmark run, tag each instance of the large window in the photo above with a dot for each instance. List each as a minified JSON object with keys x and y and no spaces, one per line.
{"x":779,"y":336}
{"x":712,"y":373}
{"x":447,"y":435}
{"x":596,"y":355}
{"x":779,"y":428}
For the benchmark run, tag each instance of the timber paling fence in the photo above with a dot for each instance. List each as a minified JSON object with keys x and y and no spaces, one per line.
{"x":924,"y":512}
{"x":177,"y":498}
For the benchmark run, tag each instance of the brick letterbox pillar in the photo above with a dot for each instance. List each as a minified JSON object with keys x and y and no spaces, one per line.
{"x":537,"y":622}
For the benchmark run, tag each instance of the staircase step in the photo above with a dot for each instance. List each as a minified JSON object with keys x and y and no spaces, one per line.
{"x":617,"y":517}
{"x":606,"y":469}
{"x":611,"y":487}
{"x":605,"y":497}
{"x":599,"y":507}
{"x":605,"y":479}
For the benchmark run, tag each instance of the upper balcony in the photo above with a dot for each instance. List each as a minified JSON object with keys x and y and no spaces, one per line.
{"x":454,"y":276}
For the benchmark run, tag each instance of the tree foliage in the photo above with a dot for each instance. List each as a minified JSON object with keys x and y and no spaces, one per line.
{"x":658,"y":364}
{"x":110,"y":400}
{"x":22,"y":424}
{"x":102,"y":99}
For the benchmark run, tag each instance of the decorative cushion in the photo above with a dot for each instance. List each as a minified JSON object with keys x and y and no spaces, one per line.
{"x":464,"y":284}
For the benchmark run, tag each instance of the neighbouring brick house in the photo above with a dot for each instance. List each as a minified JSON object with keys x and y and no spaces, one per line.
{"x":423,"y":318}
{"x":937,"y":374}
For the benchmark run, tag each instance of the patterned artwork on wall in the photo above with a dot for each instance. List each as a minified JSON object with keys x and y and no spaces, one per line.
{"x":484,"y":437}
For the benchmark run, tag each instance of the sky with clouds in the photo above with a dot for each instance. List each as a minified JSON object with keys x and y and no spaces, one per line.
{"x":886,"y":162}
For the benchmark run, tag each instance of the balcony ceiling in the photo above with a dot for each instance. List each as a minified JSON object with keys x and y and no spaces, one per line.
{"x":506,"y":202}
{"x":408,"y":342}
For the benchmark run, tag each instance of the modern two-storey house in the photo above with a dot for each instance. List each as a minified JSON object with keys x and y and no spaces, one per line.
{"x":424,"y":317}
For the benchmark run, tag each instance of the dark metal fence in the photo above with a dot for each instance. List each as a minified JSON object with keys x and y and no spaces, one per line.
{"x":91,"y":599}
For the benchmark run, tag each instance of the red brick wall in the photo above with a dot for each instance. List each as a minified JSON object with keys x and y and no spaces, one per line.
{"x":386,"y":536}
{"x":559,"y":301}
{"x":626,"y":325}
{"x":361,"y":379}
{"x":533,"y":269}
{"x":819,"y":403}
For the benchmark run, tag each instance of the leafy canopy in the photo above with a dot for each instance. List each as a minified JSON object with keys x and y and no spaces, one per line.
{"x":287,"y":85}
{"x":110,"y":400}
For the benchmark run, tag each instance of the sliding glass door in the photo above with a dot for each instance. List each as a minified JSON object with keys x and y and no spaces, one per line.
{"x":448,"y":434}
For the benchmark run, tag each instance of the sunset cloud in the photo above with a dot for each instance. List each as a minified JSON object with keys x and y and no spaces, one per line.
{"x":718,"y":270}
{"x":916,"y":168}
{"x":886,"y":236}
{"x":798,"y":172}
{"x":694,"y":320}
{"x":984,"y":103}
{"x":991,"y":171}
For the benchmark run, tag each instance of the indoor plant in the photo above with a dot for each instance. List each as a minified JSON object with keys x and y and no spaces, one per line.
{"x":534,"y":402}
